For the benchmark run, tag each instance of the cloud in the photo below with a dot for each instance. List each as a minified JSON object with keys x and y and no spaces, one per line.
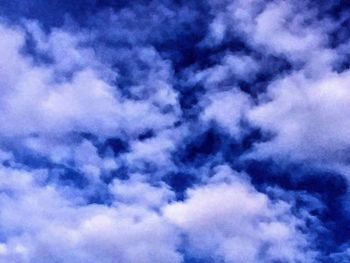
{"x":47,"y":102}
{"x":229,"y":220}
{"x":227,"y":109}
{"x":59,"y":230}
{"x":136,"y":132}
{"x":225,"y":218}
{"x":58,"y":107}
{"x":233,"y":68}
{"x":308,"y":118}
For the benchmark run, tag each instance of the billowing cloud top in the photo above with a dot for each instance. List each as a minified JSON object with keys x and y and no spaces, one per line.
{"x":174,"y":131}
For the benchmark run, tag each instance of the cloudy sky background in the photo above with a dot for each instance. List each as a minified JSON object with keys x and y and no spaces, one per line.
{"x":174,"y":131}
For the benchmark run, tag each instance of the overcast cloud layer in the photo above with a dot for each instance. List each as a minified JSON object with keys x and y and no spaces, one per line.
{"x":174,"y":131}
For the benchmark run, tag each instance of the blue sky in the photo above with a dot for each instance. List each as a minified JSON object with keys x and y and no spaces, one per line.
{"x":174,"y":131}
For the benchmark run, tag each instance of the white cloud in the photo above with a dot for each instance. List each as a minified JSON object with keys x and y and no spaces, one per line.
{"x":308,"y":116}
{"x":156,"y":150}
{"x":42,"y":108}
{"x":125,"y":89}
{"x":229,"y":220}
{"x":41,"y":225}
{"x":224,"y":218}
{"x":231,"y":68}
{"x":136,"y":191}
{"x":227,"y":108}
{"x":281,"y":28}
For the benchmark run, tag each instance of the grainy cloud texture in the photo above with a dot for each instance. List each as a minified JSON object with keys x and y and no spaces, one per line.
{"x":174,"y":131}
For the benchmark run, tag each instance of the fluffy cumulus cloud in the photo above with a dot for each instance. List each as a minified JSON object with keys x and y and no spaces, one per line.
{"x":41,"y":224}
{"x":228,"y":220}
{"x":174,"y":131}
{"x":317,"y":123}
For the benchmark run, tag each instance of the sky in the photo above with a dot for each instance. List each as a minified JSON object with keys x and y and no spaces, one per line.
{"x":174,"y":131}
